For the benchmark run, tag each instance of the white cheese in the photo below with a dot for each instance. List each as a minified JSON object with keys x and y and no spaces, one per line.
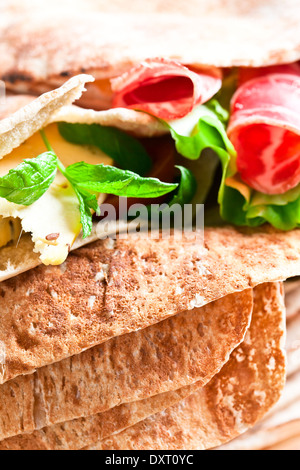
{"x":57,"y":211}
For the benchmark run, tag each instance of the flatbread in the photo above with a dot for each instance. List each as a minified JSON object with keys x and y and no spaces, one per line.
{"x":111,"y":288}
{"x":77,"y":433}
{"x":18,"y":258}
{"x":241,"y":394}
{"x":21,"y":125}
{"x":139,"y":124}
{"x":132,"y":367}
{"x":105,"y":39}
{"x":282,"y":424}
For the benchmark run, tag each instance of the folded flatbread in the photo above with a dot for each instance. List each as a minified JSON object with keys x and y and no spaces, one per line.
{"x":105,"y":39}
{"x":50,"y":317}
{"x":283,"y":421}
{"x":131,"y":367}
{"x":247,"y":386}
{"x":240,"y":394}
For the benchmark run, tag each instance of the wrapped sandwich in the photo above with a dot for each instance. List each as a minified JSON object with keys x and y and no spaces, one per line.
{"x":139,"y":342}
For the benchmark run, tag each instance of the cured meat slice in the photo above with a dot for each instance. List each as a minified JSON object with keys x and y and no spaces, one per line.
{"x":246,"y":74}
{"x":265,"y":130}
{"x":165,"y":88}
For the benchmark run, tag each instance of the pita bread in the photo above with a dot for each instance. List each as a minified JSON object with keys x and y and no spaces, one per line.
{"x":115,"y":288}
{"x":134,"y":367}
{"x":283,"y":423}
{"x":25,"y":122}
{"x":77,"y":433}
{"x":81,"y":432}
{"x":241,"y":394}
{"x":40,"y":47}
{"x":19,"y":258}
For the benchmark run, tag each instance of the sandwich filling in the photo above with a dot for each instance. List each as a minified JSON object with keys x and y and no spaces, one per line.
{"x":53,"y":220}
{"x":10,"y":230}
{"x":249,"y":119}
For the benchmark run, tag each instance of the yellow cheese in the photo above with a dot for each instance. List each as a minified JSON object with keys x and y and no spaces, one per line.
{"x":10,"y":230}
{"x":67,"y":153}
{"x":53,"y":220}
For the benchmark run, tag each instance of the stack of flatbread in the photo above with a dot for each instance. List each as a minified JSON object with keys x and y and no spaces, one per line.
{"x":280,"y":429}
{"x":141,"y":343}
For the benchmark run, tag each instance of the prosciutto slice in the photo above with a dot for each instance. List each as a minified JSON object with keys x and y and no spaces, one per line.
{"x":246,"y":74}
{"x":265,"y":130}
{"x":165,"y":88}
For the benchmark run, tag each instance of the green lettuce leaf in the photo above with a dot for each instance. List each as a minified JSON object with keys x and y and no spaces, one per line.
{"x":205,"y":131}
{"x":281,"y":211}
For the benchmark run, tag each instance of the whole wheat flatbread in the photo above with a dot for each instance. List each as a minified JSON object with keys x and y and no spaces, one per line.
{"x":283,"y":423}
{"x":190,"y":347}
{"x":39,"y":47}
{"x":82,"y":432}
{"x":19,"y":126}
{"x":108,"y":289}
{"x":241,"y":394}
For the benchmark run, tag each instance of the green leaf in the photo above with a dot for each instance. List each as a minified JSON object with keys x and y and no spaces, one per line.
{"x":87,"y":202}
{"x":208,"y":132}
{"x":280,"y":211}
{"x":187,"y":187}
{"x":26,"y":183}
{"x":221,"y":113}
{"x":125,"y":150}
{"x":110,"y":180}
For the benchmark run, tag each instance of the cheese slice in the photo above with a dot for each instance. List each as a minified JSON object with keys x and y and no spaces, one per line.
{"x":10,"y":230}
{"x":53,"y":220}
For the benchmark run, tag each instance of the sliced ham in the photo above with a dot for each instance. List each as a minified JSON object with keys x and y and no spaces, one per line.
{"x":165,"y":88}
{"x":246,"y":74}
{"x":265,"y":130}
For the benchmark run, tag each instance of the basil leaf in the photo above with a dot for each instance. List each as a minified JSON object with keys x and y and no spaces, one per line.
{"x":26,"y":183}
{"x":87,"y":202}
{"x":126,"y":151}
{"x":110,"y":180}
{"x":187,"y":187}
